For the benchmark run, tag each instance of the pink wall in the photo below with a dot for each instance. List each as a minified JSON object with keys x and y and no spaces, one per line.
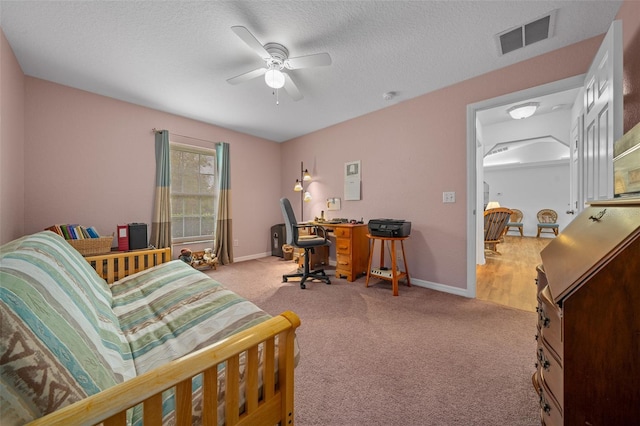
{"x":414,"y":151}
{"x":90,"y":158}
{"x":91,"y":161}
{"x":11,"y":144}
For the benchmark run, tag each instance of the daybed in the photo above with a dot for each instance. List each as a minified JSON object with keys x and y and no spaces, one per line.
{"x":167,"y":345}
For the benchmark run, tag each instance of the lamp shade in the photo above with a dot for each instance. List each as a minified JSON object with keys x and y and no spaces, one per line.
{"x":307,"y":196}
{"x":274,"y":78}
{"x":306,"y":176}
{"x":492,"y":205}
{"x":521,"y":111}
{"x":298,"y":186}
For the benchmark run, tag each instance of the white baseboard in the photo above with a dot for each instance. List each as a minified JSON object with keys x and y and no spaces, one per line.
{"x":251,"y":257}
{"x":440,"y":287}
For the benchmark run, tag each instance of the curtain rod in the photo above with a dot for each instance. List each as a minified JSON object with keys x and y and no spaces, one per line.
{"x":154,"y":130}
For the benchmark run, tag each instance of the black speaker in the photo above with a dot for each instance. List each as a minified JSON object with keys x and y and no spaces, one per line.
{"x":138,"y":236}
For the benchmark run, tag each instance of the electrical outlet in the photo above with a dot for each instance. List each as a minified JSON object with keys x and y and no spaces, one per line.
{"x":236,"y":243}
{"x":448,"y":197}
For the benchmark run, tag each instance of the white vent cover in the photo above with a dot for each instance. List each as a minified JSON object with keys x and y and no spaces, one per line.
{"x":516,"y":38}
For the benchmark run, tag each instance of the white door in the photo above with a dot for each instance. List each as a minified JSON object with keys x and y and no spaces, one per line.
{"x":603,"y":121}
{"x":575,"y":145}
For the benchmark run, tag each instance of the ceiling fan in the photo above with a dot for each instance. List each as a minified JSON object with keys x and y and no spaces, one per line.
{"x":276,"y":58}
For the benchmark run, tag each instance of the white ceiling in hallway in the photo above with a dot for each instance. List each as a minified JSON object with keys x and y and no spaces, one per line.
{"x":176,"y":56}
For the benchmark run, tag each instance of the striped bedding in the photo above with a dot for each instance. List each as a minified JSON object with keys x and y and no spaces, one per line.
{"x":66,"y":334}
{"x":172,"y":309}
{"x":60,"y":340}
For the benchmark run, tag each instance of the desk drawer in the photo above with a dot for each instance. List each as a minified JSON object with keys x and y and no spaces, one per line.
{"x":550,"y":371}
{"x":343,"y":261}
{"x":541,"y":279}
{"x":343,"y":246}
{"x":550,"y":413}
{"x":550,"y":322}
{"x":342,"y":232}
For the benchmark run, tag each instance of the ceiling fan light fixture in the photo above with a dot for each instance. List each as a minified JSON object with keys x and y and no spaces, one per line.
{"x":521,"y":111}
{"x":274,"y":79}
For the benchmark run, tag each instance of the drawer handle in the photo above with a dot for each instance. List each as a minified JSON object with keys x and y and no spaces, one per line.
{"x":544,"y":363}
{"x":543,"y":318}
{"x":544,"y":405}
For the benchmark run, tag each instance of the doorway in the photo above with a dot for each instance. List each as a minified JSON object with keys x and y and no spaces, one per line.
{"x":601,"y":126}
{"x":475,"y":187}
{"x":526,"y":166}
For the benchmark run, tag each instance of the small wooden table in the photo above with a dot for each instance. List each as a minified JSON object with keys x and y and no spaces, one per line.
{"x":394,"y":275}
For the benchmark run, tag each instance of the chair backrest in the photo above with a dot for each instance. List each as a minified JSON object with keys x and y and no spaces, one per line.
{"x":495,"y":220}
{"x":547,"y":216}
{"x":516,"y":216}
{"x":290,"y":221}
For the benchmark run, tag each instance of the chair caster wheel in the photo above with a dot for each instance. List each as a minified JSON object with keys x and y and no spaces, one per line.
{"x":284,"y":279}
{"x":303,"y":286}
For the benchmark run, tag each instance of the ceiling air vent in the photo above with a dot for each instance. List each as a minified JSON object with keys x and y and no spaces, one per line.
{"x":529,"y":33}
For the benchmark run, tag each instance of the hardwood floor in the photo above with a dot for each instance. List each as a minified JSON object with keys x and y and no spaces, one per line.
{"x":508,"y":278}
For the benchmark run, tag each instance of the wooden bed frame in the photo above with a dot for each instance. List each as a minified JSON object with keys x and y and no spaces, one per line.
{"x":115,"y":266}
{"x":270,"y":405}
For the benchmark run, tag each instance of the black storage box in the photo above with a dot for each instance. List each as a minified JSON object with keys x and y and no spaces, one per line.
{"x":138,"y":236}
{"x":278,"y":239}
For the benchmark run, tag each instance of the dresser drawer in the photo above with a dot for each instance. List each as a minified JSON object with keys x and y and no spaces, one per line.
{"x":550,"y":372}
{"x":541,"y":280}
{"x":343,"y":246}
{"x":550,"y":413}
{"x":550,"y":322}
{"x":342,"y":232}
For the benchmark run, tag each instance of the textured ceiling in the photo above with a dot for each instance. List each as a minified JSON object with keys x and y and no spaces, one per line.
{"x":176,"y":56}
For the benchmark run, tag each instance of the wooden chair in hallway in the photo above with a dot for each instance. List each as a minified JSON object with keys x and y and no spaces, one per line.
{"x":495,"y":221}
{"x":547,"y":222}
{"x":515,"y":221}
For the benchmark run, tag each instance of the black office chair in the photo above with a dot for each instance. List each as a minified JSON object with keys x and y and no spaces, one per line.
{"x":306,"y":242}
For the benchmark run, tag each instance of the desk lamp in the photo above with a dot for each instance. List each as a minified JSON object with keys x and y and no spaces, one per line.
{"x":305,"y":196}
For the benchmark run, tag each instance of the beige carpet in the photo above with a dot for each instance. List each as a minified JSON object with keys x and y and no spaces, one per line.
{"x":422,"y":358}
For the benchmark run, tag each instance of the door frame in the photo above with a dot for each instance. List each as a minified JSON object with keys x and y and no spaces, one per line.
{"x":473,"y":198}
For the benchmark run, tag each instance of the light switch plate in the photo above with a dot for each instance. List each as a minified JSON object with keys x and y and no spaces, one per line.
{"x":448,"y":197}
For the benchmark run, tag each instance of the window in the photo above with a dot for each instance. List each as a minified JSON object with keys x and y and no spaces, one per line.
{"x":193,"y":193}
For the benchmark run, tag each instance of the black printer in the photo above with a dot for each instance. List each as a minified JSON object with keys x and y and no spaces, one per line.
{"x":389,"y":228}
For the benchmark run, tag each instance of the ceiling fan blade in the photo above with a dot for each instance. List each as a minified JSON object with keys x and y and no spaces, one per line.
{"x":246,"y":76}
{"x":291,"y":88}
{"x":251,"y":41}
{"x":316,"y":60}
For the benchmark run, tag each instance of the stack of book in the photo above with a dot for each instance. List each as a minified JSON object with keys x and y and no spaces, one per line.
{"x":74,"y":232}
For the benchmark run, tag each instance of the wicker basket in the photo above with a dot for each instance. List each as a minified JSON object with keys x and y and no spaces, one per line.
{"x":91,"y":246}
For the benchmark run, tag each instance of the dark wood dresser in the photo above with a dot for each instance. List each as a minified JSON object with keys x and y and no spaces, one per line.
{"x":588,"y":331}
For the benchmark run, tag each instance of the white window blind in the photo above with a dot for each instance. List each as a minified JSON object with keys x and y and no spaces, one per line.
{"x":193,"y":193}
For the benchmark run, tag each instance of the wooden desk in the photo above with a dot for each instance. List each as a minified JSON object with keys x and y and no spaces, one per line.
{"x":394,"y":274}
{"x":352,"y":248}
